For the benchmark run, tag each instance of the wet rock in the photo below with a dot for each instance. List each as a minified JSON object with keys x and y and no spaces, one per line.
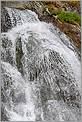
{"x":7,"y":49}
{"x":19,"y":55}
{"x":5,"y":20}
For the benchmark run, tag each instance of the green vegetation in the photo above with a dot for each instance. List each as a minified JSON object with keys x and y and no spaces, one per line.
{"x":70,"y":17}
{"x":63,"y":15}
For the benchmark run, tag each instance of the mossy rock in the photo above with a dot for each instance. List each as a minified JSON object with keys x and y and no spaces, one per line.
{"x":53,"y":10}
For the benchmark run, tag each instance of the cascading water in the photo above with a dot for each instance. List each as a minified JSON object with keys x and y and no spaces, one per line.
{"x":41,"y":75}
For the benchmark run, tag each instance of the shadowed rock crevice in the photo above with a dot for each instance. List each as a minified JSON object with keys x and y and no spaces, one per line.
{"x":19,"y":55}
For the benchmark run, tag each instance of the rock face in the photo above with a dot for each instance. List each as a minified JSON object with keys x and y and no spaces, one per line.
{"x":6,"y":22}
{"x":39,"y":70}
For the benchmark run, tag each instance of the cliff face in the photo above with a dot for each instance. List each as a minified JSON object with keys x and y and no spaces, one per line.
{"x":52,"y":12}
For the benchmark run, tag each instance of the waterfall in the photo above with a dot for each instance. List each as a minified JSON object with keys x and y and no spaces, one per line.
{"x":40,"y":69}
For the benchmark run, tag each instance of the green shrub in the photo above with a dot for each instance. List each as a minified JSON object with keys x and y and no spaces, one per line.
{"x":70,"y":17}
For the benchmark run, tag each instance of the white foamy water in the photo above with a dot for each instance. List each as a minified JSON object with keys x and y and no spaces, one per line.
{"x":37,"y":41}
{"x":52,"y":41}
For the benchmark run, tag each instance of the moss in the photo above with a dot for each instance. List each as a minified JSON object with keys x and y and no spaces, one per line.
{"x":70,"y":17}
